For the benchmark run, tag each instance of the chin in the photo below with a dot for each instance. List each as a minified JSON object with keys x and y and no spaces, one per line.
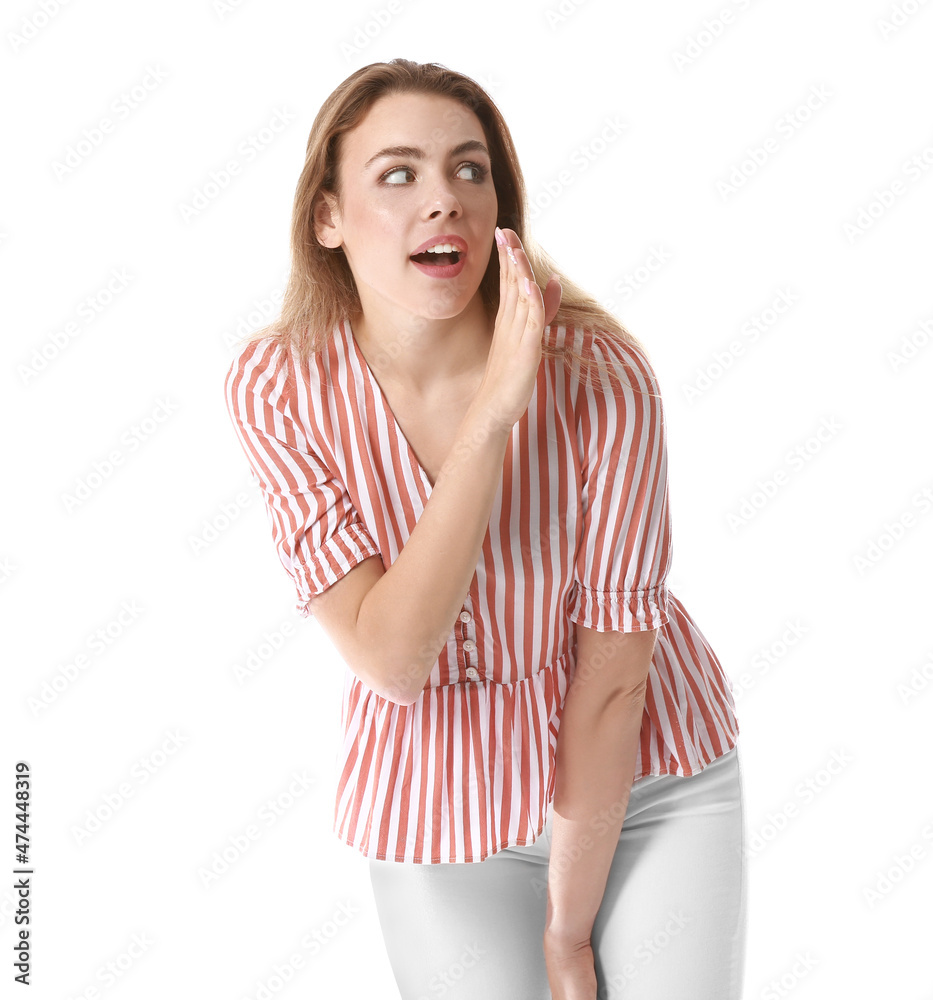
{"x":449,"y":313}
{"x":445,"y":303}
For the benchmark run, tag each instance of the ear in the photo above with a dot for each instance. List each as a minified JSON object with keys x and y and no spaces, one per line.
{"x":326,"y":216}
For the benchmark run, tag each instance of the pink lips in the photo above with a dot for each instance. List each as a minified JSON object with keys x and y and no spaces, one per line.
{"x":455,"y":241}
{"x":442,"y":270}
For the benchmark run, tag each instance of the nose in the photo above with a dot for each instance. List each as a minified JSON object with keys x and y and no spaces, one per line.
{"x":442,"y":200}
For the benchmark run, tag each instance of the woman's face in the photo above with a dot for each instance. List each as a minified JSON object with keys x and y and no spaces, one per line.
{"x":416,"y":169}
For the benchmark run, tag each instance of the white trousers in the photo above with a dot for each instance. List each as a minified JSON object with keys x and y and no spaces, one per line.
{"x":671,"y":925}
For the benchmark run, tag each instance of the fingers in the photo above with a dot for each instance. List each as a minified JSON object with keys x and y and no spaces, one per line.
{"x":505,"y":267}
{"x":552,"y":297}
{"x":518,"y":303}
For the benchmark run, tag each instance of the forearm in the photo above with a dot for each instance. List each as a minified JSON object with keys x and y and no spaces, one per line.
{"x":408,"y":614}
{"x":596,"y":753}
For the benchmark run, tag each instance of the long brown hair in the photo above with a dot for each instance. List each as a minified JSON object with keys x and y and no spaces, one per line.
{"x":321,"y":291}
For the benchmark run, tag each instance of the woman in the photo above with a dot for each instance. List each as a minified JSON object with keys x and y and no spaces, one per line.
{"x":466,"y":479}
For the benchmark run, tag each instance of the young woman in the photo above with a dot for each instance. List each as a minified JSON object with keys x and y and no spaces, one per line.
{"x":466,"y":478}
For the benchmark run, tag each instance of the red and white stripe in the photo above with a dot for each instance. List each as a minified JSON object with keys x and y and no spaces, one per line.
{"x":579,"y":533}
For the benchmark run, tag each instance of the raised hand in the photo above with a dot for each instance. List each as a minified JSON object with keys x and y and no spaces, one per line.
{"x":515,"y":352}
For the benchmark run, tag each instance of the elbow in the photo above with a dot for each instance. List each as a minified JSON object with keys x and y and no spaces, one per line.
{"x":397,"y":694}
{"x":404,"y":699}
{"x":394,"y":678}
{"x":389,"y":663}
{"x":628,"y":695}
{"x":394,"y":687}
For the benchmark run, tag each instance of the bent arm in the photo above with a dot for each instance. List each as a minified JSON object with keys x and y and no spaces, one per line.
{"x":396,"y":628}
{"x":597,"y":747}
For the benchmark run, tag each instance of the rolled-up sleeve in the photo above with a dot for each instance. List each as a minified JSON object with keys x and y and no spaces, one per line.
{"x":624,"y":548}
{"x":318,"y":533}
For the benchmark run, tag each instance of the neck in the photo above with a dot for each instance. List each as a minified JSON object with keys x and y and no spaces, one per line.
{"x":420,"y":355}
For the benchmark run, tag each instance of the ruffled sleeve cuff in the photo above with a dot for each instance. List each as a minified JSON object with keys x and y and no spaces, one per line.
{"x":619,"y":610}
{"x":346,"y":548}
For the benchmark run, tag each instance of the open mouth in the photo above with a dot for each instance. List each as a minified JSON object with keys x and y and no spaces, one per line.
{"x":437,"y":259}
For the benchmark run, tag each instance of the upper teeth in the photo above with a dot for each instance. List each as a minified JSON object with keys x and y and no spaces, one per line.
{"x":441,"y":248}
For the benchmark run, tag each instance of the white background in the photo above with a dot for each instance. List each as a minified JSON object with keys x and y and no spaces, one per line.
{"x":140,"y":372}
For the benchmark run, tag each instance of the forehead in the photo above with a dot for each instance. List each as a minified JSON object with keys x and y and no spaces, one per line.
{"x":428,"y":121}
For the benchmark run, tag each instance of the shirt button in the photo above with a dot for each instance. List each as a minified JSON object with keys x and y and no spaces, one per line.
{"x":469,"y":645}
{"x":472,"y":673}
{"x":465,"y":616}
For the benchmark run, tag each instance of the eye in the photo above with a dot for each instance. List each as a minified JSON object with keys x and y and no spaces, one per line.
{"x":480,"y":171}
{"x":395,"y":170}
{"x":479,"y":174}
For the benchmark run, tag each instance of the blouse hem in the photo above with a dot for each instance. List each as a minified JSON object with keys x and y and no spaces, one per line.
{"x":701,"y":763}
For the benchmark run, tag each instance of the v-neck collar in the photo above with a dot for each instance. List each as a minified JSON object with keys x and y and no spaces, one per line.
{"x":427,"y":486}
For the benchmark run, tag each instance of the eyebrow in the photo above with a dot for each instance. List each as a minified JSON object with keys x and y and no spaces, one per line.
{"x":414,"y":153}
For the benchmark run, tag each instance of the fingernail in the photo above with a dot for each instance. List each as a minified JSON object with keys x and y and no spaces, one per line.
{"x":527,"y":286}
{"x":500,"y":238}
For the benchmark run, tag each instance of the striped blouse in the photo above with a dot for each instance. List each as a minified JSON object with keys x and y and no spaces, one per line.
{"x":579,"y":532}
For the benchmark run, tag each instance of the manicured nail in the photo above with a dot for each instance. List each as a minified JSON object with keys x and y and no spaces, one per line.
{"x":527,"y":287}
{"x":500,"y":237}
